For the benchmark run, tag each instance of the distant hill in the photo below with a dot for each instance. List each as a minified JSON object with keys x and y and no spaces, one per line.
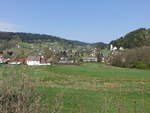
{"x":33,"y":38}
{"x":137,"y":38}
{"x":41,"y":38}
{"x":100,"y":45}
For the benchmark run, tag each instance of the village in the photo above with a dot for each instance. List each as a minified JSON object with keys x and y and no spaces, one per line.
{"x":63,"y":57}
{"x":74,"y":56}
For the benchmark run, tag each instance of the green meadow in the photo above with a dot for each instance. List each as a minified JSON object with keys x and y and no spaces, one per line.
{"x":88,"y":88}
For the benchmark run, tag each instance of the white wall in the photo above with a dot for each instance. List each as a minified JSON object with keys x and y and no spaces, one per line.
{"x":31,"y":63}
{"x":35,"y":63}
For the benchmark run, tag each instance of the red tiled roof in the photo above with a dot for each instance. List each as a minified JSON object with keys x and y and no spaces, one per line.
{"x":33,"y":58}
{"x":18,"y":60}
{"x":21,"y":59}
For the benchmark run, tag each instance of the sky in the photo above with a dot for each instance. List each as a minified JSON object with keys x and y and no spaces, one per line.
{"x":83,"y":20}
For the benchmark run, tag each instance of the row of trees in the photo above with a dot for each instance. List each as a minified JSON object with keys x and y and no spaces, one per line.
{"x":133,"y":58}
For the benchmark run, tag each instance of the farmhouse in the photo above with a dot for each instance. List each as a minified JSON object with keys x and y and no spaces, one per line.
{"x":37,"y":60}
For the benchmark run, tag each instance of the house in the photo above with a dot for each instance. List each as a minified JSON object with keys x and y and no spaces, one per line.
{"x":37,"y":60}
{"x":121,"y":48}
{"x":112,"y":48}
{"x":16,"y":61}
{"x":2,"y":60}
{"x":44,"y":61}
{"x":114,"y":53}
{"x":66,"y":60}
{"x":90,"y":59}
{"x":22,"y":60}
{"x":103,"y":59}
{"x":33,"y":60}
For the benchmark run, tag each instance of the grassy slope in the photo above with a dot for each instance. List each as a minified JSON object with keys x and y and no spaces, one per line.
{"x":90,"y":88}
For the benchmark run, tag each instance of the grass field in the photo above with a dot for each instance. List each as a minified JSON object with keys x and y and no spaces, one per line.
{"x":89,"y":88}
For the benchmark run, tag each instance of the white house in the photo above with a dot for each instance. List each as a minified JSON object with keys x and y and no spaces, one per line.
{"x":33,"y":60}
{"x":112,"y":48}
{"x":37,"y":60}
{"x":2,"y":60}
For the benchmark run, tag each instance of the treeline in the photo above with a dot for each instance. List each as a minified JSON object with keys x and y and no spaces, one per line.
{"x":40,"y":38}
{"x":133,"y":58}
{"x":28,"y":37}
{"x":137,"y":38}
{"x":33,"y":38}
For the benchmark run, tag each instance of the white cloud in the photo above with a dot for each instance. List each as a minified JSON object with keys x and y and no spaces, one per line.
{"x":4,"y":26}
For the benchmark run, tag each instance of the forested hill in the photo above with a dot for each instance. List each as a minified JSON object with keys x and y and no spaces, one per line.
{"x":137,"y":38}
{"x":100,"y":45}
{"x":40,"y":38}
{"x":34,"y":38}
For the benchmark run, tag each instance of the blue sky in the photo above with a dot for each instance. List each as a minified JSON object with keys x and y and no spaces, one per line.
{"x":83,"y":20}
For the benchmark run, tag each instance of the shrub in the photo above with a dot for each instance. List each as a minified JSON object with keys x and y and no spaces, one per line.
{"x":141,"y":65}
{"x":18,"y":97}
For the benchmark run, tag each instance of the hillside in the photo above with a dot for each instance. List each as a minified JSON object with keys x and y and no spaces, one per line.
{"x":35,"y":38}
{"x":100,"y":45}
{"x":43,"y":38}
{"x":137,"y":38}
